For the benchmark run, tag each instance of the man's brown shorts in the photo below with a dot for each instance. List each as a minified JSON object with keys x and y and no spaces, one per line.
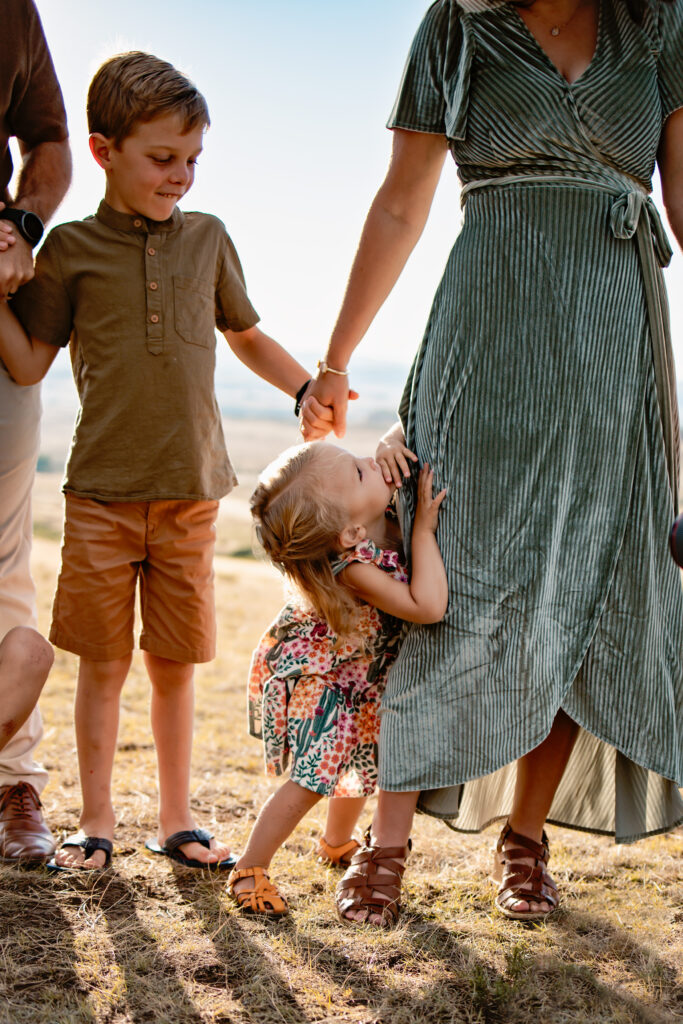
{"x":107,"y":546}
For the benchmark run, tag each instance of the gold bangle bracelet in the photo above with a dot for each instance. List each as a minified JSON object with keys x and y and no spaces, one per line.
{"x":324,"y":368}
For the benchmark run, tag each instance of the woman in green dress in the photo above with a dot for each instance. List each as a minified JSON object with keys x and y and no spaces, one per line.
{"x":543,"y":396}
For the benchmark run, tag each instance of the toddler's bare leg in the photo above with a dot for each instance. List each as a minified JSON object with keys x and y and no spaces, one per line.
{"x":172,"y":716}
{"x":342,"y":817}
{"x":97,"y":725}
{"x":277,"y":819}
{"x":25,"y":661}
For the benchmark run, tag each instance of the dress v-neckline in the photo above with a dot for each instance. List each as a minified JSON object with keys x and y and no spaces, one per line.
{"x":540,"y":49}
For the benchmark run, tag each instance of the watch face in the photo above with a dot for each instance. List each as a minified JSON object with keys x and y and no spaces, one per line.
{"x":32,"y":227}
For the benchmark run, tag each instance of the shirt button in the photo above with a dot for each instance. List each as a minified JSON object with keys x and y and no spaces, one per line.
{"x":153,"y":286}
{"x":151,"y":251}
{"x":154,"y":318}
{"x":137,"y":223}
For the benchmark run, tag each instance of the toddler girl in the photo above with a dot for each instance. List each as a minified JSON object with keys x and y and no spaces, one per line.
{"x":317,"y":676}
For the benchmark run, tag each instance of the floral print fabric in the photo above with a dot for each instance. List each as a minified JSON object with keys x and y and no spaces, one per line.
{"x":317,"y":704}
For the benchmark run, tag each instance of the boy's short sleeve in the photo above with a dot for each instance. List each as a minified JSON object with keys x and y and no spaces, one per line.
{"x":43,"y":304}
{"x":670,"y":64}
{"x":234,"y":311}
{"x":421,"y":105}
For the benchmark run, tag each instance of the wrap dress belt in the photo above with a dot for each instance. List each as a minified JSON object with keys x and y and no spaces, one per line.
{"x":632,"y":214}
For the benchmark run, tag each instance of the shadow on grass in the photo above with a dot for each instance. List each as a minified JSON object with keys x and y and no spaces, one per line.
{"x":587,"y":936}
{"x":250,"y":970}
{"x":352,"y":971}
{"x":152,"y":988}
{"x":39,"y":983}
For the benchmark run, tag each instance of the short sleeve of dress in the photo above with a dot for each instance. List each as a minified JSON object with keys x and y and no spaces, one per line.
{"x":43,"y":305}
{"x":420,"y":105}
{"x":670,"y":64}
{"x":234,"y":311}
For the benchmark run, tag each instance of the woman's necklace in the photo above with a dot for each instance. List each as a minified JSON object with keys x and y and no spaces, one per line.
{"x":558,"y":26}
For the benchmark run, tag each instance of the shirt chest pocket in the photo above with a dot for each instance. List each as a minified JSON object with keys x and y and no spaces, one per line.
{"x":194,"y":310}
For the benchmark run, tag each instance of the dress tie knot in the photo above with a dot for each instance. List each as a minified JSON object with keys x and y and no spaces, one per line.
{"x":625,"y":214}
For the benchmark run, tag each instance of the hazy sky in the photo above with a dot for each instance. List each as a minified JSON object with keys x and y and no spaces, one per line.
{"x":299,"y":92}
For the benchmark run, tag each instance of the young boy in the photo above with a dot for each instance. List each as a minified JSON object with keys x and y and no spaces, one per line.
{"x":136,"y":291}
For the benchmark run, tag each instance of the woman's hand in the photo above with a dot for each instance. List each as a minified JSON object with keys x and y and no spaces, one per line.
{"x":323,"y":407}
{"x":392,"y":455}
{"x":428,"y":504}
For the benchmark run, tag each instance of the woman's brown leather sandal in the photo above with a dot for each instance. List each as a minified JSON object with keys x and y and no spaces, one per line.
{"x":336,"y":856}
{"x":524,"y":881}
{"x":261,"y":898}
{"x":364,"y":888}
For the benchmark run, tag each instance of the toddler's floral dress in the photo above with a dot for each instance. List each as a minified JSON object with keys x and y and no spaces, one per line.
{"x":315,"y":702}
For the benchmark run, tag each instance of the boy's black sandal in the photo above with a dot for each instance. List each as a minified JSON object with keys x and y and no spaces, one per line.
{"x":171,"y":849}
{"x":89,"y":845}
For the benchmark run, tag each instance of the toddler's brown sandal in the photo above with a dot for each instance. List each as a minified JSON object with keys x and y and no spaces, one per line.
{"x":523,"y":881}
{"x":261,"y":898}
{"x":364,"y":888}
{"x":336,"y":856}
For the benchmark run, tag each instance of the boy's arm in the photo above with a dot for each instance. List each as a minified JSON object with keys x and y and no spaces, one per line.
{"x":267,"y":359}
{"x":27,"y":359}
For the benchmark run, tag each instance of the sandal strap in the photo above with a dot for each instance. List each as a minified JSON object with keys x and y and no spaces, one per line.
{"x":195,"y":835}
{"x":336,"y":854}
{"x":526,"y":846}
{"x":262,"y":898}
{"x":364,"y":888}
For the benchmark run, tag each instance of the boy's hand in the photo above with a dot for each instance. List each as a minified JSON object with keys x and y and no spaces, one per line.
{"x":16,"y":265}
{"x":428,"y":504}
{"x":7,"y":236}
{"x":392,"y":456}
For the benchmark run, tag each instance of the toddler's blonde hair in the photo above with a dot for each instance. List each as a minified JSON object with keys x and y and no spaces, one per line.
{"x":299,"y":528}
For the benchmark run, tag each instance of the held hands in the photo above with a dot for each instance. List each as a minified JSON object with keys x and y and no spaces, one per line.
{"x":323,"y":407}
{"x":16,"y":260}
{"x":392,"y":455}
{"x":428,"y":504}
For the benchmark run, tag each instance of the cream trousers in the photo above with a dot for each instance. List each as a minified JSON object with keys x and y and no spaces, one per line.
{"x":19,"y":441}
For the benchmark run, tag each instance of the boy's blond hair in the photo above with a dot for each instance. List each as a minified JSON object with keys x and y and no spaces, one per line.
{"x":299,"y":528}
{"x":136,"y":87}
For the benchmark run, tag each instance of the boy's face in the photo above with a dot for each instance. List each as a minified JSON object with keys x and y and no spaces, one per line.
{"x":153,"y":168}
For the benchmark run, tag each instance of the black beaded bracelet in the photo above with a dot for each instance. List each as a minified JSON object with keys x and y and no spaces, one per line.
{"x":299,"y":395}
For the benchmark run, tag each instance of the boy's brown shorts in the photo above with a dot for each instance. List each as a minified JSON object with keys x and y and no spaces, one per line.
{"x":107,"y":545}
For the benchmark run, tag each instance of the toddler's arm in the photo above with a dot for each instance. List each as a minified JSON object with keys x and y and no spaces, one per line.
{"x":27,"y":359}
{"x":425,"y":598}
{"x":391,"y":454}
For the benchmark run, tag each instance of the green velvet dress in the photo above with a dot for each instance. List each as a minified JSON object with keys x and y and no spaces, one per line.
{"x":543,"y":396}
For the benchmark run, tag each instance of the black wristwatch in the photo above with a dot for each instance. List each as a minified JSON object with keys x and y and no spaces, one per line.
{"x":29,"y":225}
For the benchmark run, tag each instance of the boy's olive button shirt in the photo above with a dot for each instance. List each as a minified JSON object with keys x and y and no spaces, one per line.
{"x":138,"y":302}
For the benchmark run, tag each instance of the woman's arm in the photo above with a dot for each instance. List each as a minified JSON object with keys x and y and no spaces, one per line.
{"x":670,"y":159}
{"x":425,"y":598}
{"x":393,"y":226}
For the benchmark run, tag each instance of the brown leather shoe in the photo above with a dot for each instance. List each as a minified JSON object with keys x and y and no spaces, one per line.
{"x":24,"y":837}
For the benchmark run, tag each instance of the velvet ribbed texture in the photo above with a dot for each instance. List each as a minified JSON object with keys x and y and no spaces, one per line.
{"x":534,"y":397}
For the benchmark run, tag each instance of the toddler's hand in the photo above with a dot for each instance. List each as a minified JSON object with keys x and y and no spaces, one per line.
{"x":428,"y":504}
{"x":392,"y":456}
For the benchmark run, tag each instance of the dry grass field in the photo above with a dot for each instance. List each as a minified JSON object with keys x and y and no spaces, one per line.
{"x":145,"y":942}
